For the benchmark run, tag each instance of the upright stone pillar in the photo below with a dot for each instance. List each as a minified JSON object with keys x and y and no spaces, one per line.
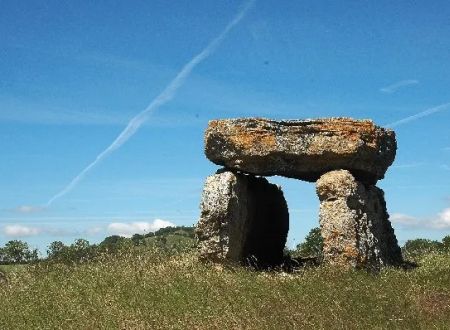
{"x":244,"y":219}
{"x":354,"y":223}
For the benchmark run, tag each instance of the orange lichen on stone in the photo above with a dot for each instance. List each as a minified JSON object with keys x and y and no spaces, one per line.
{"x":301,"y":149}
{"x":254,"y":138}
{"x":351,"y":252}
{"x":350,"y":129}
{"x":334,"y":235}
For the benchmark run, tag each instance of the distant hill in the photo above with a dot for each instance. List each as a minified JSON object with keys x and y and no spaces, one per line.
{"x":170,"y":237}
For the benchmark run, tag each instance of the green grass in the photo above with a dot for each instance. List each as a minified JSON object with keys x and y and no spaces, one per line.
{"x":146,"y":289}
{"x":11,"y":268}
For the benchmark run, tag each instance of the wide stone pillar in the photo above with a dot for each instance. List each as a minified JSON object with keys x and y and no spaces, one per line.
{"x":354,"y":223}
{"x":244,"y":219}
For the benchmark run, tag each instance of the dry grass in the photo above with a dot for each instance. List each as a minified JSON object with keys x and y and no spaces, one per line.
{"x":149,"y":290}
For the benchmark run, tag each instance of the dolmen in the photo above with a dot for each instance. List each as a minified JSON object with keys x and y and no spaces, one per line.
{"x":244,"y":218}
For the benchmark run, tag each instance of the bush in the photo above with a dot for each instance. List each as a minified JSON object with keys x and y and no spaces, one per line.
{"x":79,"y":251}
{"x":312,"y":247}
{"x":416,"y":248}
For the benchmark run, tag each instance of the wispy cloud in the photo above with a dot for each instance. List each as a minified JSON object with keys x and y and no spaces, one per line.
{"x":419,"y":115}
{"x":165,"y":96}
{"x":28,"y":209}
{"x":127,"y":229}
{"x":398,"y":85}
{"x":21,"y":231}
{"x":408,"y":165}
{"x":404,"y":219}
{"x":443,"y":220}
{"x":439,"y":222}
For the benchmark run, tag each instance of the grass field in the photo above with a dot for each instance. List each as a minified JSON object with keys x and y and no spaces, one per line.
{"x":146,"y":289}
{"x":7,"y":269}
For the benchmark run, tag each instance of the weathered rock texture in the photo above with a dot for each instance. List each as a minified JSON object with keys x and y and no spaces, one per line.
{"x":302,"y":149}
{"x":243,"y":219}
{"x":354,"y":223}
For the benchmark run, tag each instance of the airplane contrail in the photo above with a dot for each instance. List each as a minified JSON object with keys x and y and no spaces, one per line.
{"x":422,"y":114}
{"x":165,"y":96}
{"x":399,"y":84}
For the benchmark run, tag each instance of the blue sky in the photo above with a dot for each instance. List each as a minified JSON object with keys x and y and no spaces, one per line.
{"x":74,"y":74}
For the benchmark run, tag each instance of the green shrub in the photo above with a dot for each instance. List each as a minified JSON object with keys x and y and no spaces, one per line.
{"x":417,"y":248}
{"x":312,"y":247}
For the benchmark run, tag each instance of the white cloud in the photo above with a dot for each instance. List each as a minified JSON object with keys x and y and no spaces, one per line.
{"x":397,"y":85}
{"x":139,"y":227}
{"x":441,"y":221}
{"x":403,"y":219}
{"x":28,"y":209}
{"x":18,"y":230}
{"x":21,"y":231}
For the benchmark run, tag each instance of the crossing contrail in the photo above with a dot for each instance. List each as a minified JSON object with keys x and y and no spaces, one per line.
{"x":165,"y":96}
{"x":422,"y":114}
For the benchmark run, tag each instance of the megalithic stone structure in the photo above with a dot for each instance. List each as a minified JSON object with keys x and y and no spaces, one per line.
{"x":301,"y":149}
{"x":244,"y":217}
{"x":354,"y":223}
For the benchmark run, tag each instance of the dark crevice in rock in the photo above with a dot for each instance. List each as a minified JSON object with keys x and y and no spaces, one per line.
{"x":268,"y":223}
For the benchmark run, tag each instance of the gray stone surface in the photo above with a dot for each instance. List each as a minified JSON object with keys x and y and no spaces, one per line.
{"x":244,"y":219}
{"x":302,"y":149}
{"x":354,"y":223}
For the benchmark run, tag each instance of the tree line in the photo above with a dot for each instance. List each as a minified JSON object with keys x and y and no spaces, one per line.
{"x":19,"y":252}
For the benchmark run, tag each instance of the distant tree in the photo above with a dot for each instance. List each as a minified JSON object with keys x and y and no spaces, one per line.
{"x":138,"y":239}
{"x":165,"y":231}
{"x":3,"y":258}
{"x":418,"y":247}
{"x":18,"y":252}
{"x":112,"y":240}
{"x":81,"y":250}
{"x":178,"y":230}
{"x":446,"y":243}
{"x":186,"y":231}
{"x":112,"y":244}
{"x":312,"y":246}
{"x":57,"y":250}
{"x":33,"y":255}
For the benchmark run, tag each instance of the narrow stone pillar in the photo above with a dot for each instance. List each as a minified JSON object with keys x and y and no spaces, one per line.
{"x":244,"y":219}
{"x":354,"y":223}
